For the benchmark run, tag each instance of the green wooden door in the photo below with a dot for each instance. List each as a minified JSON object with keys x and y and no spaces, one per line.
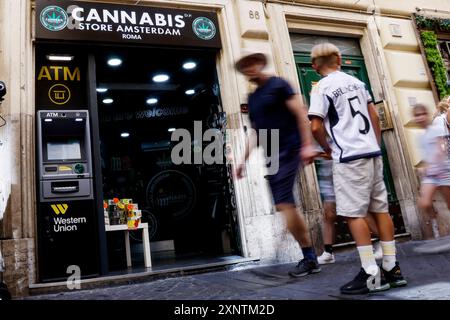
{"x":353,"y":66}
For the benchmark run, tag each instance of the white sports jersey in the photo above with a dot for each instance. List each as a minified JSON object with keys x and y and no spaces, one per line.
{"x":341,"y":100}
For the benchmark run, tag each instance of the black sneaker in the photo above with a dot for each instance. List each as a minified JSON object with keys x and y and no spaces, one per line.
{"x":305,"y":267}
{"x":365,"y":283}
{"x":395,"y":277}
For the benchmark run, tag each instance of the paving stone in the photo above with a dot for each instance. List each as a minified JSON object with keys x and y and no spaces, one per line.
{"x":428,"y":278}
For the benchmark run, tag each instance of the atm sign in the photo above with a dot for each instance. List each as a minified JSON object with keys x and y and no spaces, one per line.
{"x":52,"y":115}
{"x":59,"y":73}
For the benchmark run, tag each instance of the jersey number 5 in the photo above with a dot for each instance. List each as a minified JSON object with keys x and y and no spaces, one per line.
{"x":358,"y":113}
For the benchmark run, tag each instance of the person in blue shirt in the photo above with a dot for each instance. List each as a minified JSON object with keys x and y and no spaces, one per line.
{"x":274,"y":106}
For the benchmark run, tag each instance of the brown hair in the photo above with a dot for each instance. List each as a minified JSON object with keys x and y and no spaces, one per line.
{"x":325,"y":54}
{"x":419,"y":107}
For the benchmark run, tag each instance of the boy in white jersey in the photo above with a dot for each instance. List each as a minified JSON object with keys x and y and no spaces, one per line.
{"x":342,"y":106}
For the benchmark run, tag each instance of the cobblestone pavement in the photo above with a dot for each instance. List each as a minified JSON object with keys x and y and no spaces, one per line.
{"x":428,"y":277}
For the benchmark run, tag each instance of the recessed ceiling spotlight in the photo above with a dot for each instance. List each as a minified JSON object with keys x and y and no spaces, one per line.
{"x":190,"y":92}
{"x":189,"y":65}
{"x":161,"y":78}
{"x":102,"y":90}
{"x":152,"y":101}
{"x":108,"y":101}
{"x":124,"y":134}
{"x":114,"y":62}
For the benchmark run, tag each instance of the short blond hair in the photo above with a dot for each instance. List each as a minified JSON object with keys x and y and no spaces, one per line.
{"x":442,"y":107}
{"x":325,"y":54}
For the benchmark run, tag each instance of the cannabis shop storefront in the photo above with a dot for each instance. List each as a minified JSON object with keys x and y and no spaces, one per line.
{"x":114,"y":84}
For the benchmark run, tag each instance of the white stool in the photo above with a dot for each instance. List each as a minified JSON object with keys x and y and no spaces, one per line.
{"x":145,"y":241}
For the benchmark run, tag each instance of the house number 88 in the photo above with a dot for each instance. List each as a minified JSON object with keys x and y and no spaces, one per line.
{"x":254,"y":14}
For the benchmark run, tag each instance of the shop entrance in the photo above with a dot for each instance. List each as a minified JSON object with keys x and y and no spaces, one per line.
{"x":137,"y":99}
{"x":141,"y":74}
{"x":145,"y":96}
{"x":353,"y":64}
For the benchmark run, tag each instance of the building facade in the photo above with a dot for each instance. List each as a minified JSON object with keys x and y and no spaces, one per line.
{"x":381,"y":42}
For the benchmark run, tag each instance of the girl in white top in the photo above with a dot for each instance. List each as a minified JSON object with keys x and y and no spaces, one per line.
{"x":435,"y":175}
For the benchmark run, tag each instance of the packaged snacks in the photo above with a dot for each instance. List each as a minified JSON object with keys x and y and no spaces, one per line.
{"x":134,"y":218}
{"x":106,"y":213}
{"x":122,"y":211}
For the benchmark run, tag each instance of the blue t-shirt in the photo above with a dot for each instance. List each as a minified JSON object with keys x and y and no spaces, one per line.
{"x":268,"y":110}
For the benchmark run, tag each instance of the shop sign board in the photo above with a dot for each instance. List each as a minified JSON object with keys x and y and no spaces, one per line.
{"x":60,"y":85}
{"x":104,"y":22}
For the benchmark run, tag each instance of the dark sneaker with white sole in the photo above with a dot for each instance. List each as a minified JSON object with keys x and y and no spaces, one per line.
{"x":305,"y":267}
{"x":365,"y":283}
{"x":394,"y":277}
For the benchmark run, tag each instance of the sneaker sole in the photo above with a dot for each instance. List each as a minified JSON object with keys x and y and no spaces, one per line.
{"x":304,"y":273}
{"x":367,"y":291}
{"x":327,"y":262}
{"x":400,"y":283}
{"x":385,"y":287}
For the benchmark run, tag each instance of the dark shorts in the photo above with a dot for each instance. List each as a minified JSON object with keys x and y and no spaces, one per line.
{"x":282,"y":183}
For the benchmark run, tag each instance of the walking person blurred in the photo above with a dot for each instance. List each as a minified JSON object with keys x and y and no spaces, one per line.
{"x":275,"y":106}
{"x":435,"y":175}
{"x":324,"y":167}
{"x":342,"y":107}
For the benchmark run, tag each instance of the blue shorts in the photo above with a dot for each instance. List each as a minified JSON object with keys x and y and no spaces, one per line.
{"x":325,"y":178}
{"x":282,"y":183}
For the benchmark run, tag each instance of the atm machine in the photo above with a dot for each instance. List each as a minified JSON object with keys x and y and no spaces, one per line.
{"x":67,"y":220}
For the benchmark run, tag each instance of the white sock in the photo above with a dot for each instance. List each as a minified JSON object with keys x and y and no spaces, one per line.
{"x":389,"y":252}
{"x":367,"y":259}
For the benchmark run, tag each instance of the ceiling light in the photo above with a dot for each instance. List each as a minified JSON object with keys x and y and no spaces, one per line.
{"x":48,"y":120}
{"x":189,"y":65}
{"x":114,"y":62}
{"x":190,"y":92}
{"x":79,"y":119}
{"x":171,"y":129}
{"x":152,"y":101}
{"x":102,"y":90}
{"x":161,"y":78}
{"x":59,"y":57}
{"x":124,"y":134}
{"x":108,"y":101}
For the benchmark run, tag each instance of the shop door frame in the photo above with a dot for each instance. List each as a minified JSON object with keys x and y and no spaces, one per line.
{"x":96,"y":158}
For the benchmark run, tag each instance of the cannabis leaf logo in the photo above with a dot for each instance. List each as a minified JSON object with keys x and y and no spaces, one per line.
{"x":204,"y":28}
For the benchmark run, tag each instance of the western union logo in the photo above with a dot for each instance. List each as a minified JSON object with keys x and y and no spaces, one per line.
{"x":60,"y":208}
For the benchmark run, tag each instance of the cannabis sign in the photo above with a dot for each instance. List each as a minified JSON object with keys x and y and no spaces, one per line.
{"x":94,"y":21}
{"x":204,"y":28}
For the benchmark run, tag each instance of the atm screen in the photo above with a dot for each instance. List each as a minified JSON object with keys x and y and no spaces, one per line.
{"x":64,"y":150}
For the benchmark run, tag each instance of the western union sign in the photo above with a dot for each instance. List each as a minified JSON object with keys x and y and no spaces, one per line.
{"x":59,"y":208}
